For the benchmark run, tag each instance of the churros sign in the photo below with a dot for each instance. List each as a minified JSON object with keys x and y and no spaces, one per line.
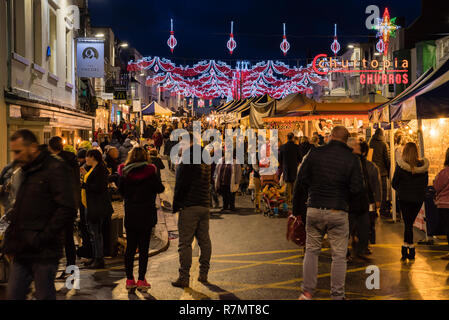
{"x":371,"y":71}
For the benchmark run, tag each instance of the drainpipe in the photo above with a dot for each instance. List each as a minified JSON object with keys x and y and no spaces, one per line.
{"x":9,"y":46}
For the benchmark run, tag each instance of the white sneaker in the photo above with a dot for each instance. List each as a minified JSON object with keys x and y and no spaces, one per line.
{"x":304,"y":297}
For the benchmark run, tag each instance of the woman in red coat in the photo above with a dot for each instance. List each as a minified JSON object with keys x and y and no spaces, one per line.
{"x":157,"y":138}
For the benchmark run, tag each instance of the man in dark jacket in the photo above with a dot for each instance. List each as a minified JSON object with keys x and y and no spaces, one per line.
{"x":330,"y":174}
{"x":125,"y":149}
{"x":44,"y":206}
{"x":55,"y":146}
{"x":381,"y":158}
{"x":192,"y":199}
{"x":290,"y":156}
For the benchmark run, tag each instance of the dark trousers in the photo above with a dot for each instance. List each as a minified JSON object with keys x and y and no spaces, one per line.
{"x":213,"y":195}
{"x":69,"y":245}
{"x":359,"y":226}
{"x":409,"y":212}
{"x":384,"y":204}
{"x":23,"y":273}
{"x":137,"y":239}
{"x":194,"y":222}
{"x":372,"y":226}
{"x":107,"y":237}
{"x":85,"y":236}
{"x":228,"y":197}
{"x":444,"y":220}
{"x":96,"y":238}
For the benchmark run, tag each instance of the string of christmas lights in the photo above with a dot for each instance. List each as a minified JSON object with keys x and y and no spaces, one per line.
{"x":213,"y":79}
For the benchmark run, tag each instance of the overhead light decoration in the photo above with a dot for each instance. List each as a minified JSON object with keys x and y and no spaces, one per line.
{"x":285,"y":45}
{"x":386,"y":28}
{"x":335,"y":46}
{"x":172,"y":42}
{"x":231,"y":42}
{"x":211,"y":79}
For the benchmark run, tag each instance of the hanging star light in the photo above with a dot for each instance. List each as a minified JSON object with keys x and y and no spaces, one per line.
{"x":335,"y":46}
{"x":231,"y":42}
{"x":386,"y":28}
{"x":285,"y":46}
{"x":171,"y":42}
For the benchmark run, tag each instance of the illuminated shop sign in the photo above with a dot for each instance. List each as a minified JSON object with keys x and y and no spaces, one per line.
{"x":371,"y":71}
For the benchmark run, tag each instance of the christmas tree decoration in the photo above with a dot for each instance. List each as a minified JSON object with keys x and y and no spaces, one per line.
{"x":335,"y":46}
{"x":231,"y":42}
{"x":171,"y":42}
{"x":285,"y":45}
{"x":386,"y":28}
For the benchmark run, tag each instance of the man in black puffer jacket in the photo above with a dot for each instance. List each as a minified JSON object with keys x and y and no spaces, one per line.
{"x":192,"y":199}
{"x":56,"y":147}
{"x":45,"y":204}
{"x":331,"y":175}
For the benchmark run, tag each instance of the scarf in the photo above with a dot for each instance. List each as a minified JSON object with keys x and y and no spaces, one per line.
{"x":128,"y":168}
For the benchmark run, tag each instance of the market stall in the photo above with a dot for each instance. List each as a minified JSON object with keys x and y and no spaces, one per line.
{"x":155,"y":110}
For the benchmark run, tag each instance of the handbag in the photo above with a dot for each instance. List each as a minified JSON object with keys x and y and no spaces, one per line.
{"x":296,"y":230}
{"x":251,"y":185}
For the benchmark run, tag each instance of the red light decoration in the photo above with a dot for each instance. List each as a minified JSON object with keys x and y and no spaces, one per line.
{"x":285,"y":46}
{"x":171,"y":42}
{"x":213,"y":79}
{"x":231,"y":42}
{"x":335,"y":46}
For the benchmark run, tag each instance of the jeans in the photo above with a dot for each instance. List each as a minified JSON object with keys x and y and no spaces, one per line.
{"x":194,"y":222}
{"x":336,"y":224}
{"x":85,"y":235}
{"x":409,"y":211}
{"x":96,"y":237}
{"x":213,"y":195}
{"x":23,"y":273}
{"x":228,"y":197}
{"x":384,"y":204}
{"x":137,"y":239}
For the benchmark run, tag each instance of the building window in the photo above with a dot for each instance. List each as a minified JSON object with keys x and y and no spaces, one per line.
{"x":52,"y":41}
{"x":19,"y":27}
{"x":37,"y":32}
{"x":68,"y":64}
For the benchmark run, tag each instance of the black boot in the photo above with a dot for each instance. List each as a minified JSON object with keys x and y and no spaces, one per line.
{"x":181,"y":283}
{"x":404,"y":253}
{"x":411,"y":253}
{"x":89,"y":262}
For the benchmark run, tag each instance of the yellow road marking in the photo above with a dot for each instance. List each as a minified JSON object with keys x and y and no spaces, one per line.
{"x":251,"y":262}
{"x":255,"y":253}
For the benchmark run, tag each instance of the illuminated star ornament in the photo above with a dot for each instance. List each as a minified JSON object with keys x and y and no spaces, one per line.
{"x":386,"y":28}
{"x":285,"y":46}
{"x":335,"y":46}
{"x":231,"y":42}
{"x":171,"y":42}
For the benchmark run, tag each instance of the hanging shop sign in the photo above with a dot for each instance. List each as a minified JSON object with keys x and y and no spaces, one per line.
{"x":371,"y":71}
{"x":90,"y":58}
{"x":120,"y":93}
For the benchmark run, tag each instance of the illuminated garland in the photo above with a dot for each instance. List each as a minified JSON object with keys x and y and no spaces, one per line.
{"x":231,"y":45}
{"x":213,"y":79}
{"x":171,"y":42}
{"x":285,"y":45}
{"x":335,"y":46}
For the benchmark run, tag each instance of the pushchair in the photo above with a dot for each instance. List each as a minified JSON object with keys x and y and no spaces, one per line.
{"x":274,"y":201}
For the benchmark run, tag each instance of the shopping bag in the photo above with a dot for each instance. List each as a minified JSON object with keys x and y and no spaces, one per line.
{"x":251,"y":185}
{"x":296,"y":230}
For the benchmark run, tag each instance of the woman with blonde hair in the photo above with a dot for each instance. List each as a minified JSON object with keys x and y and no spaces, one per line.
{"x":410,"y":181}
{"x":139,"y":184}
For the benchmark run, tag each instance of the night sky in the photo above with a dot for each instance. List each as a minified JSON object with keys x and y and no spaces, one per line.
{"x":202,"y":27}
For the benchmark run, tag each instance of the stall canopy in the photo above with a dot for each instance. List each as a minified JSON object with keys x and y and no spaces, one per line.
{"x":331,"y":111}
{"x":295,"y":102}
{"x":154,"y":109}
{"x":429,"y":100}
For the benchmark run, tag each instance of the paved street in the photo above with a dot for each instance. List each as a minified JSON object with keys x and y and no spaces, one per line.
{"x":252,"y":260}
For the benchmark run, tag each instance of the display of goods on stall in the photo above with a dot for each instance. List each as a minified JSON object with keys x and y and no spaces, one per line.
{"x":214,"y":79}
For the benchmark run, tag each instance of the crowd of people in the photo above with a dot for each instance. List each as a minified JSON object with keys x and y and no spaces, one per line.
{"x":330,"y":184}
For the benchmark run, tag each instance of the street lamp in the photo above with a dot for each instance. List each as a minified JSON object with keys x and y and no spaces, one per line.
{"x":350,"y":46}
{"x":124,"y":45}
{"x":99,"y":35}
